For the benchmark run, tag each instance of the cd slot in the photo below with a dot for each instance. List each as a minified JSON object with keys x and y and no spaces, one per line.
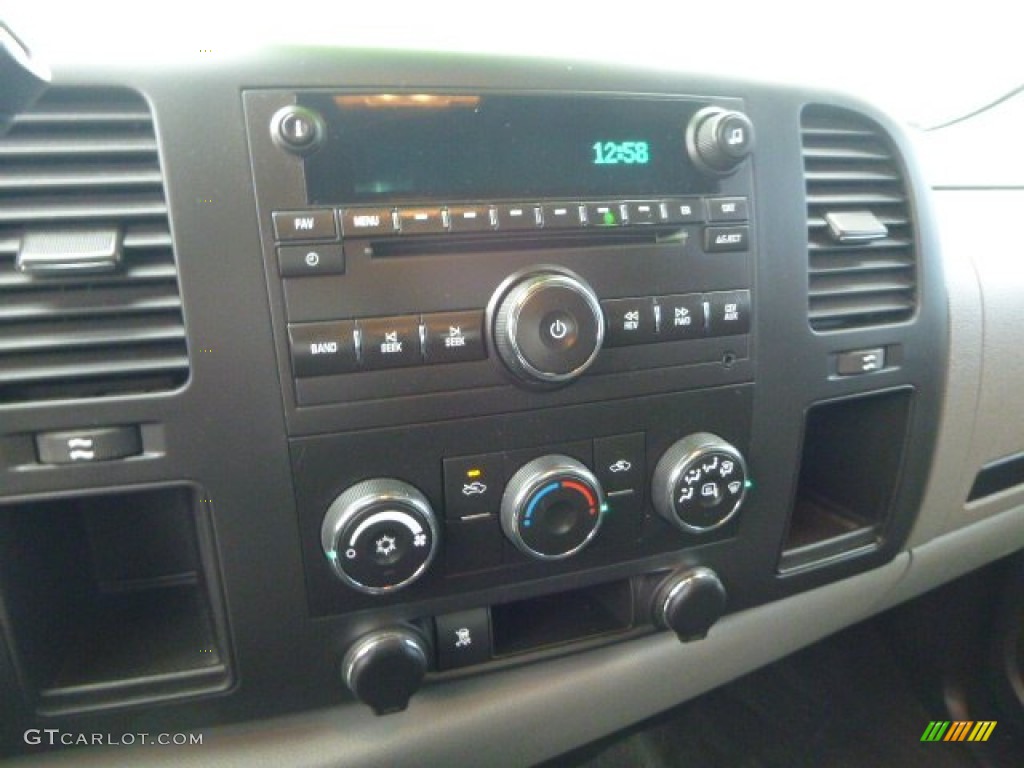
{"x":430,"y":246}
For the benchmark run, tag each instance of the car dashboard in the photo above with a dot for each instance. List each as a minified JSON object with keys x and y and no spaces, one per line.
{"x":364,"y":407}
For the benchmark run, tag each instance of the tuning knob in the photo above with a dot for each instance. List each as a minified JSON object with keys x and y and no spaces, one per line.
{"x":688,"y":603}
{"x":552,"y":507}
{"x":380,"y":535}
{"x":718,"y":140}
{"x":385,"y":668}
{"x":546,"y":325}
{"x":699,"y":483}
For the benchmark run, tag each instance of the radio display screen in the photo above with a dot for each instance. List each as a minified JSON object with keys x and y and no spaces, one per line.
{"x":409,"y":147}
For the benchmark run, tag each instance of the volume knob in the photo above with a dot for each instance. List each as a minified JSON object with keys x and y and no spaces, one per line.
{"x":547,"y":325}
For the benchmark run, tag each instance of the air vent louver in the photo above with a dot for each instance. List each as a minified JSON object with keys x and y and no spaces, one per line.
{"x":83,"y":161}
{"x":851,"y":168}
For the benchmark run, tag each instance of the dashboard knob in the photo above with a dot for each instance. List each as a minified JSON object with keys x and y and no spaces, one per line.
{"x":718,"y":140}
{"x":699,"y":483}
{"x":552,"y":507}
{"x":385,"y":668}
{"x":380,"y":535}
{"x":689,"y":602}
{"x":546,"y":325}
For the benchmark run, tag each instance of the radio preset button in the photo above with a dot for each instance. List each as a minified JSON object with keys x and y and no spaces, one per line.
{"x":517,"y":216}
{"x":305,"y":225}
{"x":422,"y":221}
{"x":561,"y":216}
{"x":365,"y":222}
{"x":305,"y":260}
{"x":453,"y":337}
{"x":727,"y":209}
{"x":728,"y":313}
{"x":682,"y":317}
{"x":629,"y":321}
{"x":643,"y":213}
{"x":322,"y":349}
{"x":605,"y":215}
{"x":469,"y":218}
{"x":390,"y":342}
{"x":683,"y":211}
{"x":725,"y":239}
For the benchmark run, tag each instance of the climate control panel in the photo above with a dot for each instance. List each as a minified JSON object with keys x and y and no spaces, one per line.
{"x":540,"y":510}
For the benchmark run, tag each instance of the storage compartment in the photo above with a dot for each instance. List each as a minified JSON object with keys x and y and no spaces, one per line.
{"x":112,"y":598}
{"x":852,"y":454}
{"x":542,"y":622}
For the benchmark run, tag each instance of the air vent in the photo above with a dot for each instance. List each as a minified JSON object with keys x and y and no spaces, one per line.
{"x":861,"y":251}
{"x":89,"y":301}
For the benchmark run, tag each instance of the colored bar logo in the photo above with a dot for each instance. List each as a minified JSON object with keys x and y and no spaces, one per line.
{"x":958,"y":730}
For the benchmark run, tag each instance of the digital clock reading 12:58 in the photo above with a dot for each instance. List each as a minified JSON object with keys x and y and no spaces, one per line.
{"x":621,"y":153}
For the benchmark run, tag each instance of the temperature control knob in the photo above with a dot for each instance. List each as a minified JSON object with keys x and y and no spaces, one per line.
{"x":380,"y":535}
{"x":552,"y":507}
{"x":700,"y":483}
{"x":718,"y":140}
{"x":547,"y":325}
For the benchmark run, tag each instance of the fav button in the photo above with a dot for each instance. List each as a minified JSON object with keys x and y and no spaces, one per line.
{"x":305,"y":225}
{"x":390,"y":342}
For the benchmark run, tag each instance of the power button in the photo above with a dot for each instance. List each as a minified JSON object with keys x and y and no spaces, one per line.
{"x":548,"y":326}
{"x":559,"y":330}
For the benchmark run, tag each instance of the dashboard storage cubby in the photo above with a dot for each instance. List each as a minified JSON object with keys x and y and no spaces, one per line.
{"x":112,"y":599}
{"x":852,"y":455}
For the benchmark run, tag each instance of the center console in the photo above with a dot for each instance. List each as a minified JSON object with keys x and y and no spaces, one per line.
{"x":514,"y":331}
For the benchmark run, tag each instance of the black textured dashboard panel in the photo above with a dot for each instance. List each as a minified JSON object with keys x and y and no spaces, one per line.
{"x":268,"y":465}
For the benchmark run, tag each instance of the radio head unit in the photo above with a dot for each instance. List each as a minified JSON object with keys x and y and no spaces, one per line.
{"x":497,"y":246}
